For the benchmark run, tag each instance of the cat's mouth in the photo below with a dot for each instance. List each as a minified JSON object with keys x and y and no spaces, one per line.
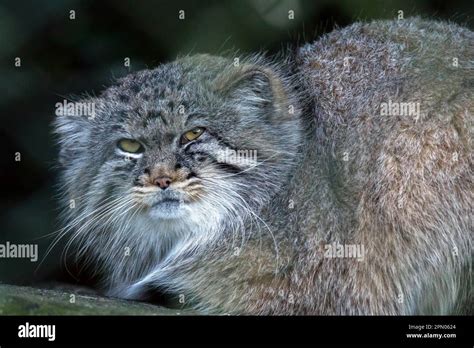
{"x":168,"y":205}
{"x":166,"y":201}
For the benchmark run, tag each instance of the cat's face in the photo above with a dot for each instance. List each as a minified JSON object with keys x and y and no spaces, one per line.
{"x":198,"y":140}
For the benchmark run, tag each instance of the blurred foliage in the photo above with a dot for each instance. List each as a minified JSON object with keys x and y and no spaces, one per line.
{"x":61,"y":57}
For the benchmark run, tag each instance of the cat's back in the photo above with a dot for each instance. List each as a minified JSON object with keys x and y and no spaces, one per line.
{"x":393,"y":99}
{"x":354,"y":71}
{"x":393,"y":104}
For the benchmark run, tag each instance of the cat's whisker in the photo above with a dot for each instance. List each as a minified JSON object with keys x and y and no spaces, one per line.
{"x":91,"y":223}
{"x":111,"y":211}
{"x":246,"y":209}
{"x":244,"y":205}
{"x":65,"y":230}
{"x":247,"y":169}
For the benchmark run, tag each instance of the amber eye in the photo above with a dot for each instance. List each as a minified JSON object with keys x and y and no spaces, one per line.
{"x":191,"y":135}
{"x":129,"y":145}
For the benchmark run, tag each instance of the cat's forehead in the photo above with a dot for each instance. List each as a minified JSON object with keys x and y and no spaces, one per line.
{"x":156,"y":86}
{"x":156,"y":117}
{"x":162,"y":98}
{"x":170,"y":81}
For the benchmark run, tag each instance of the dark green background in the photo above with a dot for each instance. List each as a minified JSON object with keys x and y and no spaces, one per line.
{"x":63,"y":57}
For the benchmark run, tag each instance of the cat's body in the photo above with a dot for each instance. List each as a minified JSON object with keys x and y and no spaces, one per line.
{"x":332,"y":170}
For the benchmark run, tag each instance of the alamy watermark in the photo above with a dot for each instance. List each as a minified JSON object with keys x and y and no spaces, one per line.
{"x":67,"y":108}
{"x":20,"y":251}
{"x":28,"y":330}
{"x":400,"y":109}
{"x":337,"y":250}
{"x":238,"y":157}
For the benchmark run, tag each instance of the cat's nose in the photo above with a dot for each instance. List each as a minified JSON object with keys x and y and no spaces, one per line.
{"x":163,"y":182}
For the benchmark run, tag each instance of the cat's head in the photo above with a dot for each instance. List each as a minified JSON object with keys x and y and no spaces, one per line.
{"x":202,"y":139}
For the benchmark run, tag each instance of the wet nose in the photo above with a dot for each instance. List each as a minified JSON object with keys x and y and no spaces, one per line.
{"x":163,"y":182}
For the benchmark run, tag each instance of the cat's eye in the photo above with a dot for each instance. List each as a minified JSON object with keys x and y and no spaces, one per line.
{"x":191,"y":135}
{"x":129,"y":145}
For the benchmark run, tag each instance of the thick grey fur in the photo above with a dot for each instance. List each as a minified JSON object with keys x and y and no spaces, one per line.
{"x":330,"y":168}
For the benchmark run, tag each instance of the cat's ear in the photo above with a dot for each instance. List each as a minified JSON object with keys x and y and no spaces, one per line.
{"x":254,"y":90}
{"x":73,"y":130}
